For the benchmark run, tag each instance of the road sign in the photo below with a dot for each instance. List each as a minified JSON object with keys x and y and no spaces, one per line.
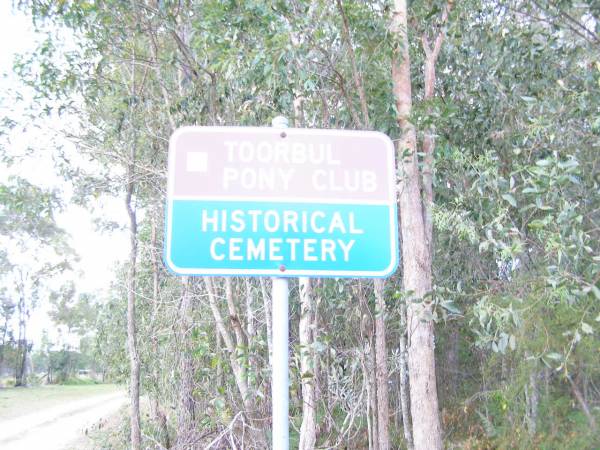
{"x":281,"y":202}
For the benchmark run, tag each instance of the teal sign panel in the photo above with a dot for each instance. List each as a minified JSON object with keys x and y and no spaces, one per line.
{"x":293,"y":202}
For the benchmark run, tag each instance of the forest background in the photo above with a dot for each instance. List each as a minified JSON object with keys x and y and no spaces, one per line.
{"x":488,"y":335}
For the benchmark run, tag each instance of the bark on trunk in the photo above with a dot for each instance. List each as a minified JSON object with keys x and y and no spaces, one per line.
{"x":220,"y":377}
{"x":158,"y":414}
{"x":381,"y":369}
{"x":5,"y":330}
{"x":186,"y":410}
{"x":250,"y":332}
{"x":267,"y":312}
{"x":234,"y":316}
{"x":256,"y":431}
{"x":416,"y":255}
{"x":134,"y":360}
{"x":431,"y":55}
{"x":531,"y":397}
{"x":373,"y":383}
{"x":308,"y":432}
{"x":367,"y":331}
{"x":368,"y":389}
{"x":20,"y":379}
{"x":404,"y":380}
{"x":583,"y":404}
{"x":421,"y":357}
{"x":356,"y":77}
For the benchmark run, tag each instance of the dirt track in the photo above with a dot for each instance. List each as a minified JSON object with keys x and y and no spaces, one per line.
{"x":56,"y":427}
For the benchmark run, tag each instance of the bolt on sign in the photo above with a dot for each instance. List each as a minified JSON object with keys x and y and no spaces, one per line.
{"x":281,"y":202}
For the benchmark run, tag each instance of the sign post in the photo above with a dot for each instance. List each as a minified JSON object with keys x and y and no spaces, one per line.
{"x":281,"y":202}
{"x":280,"y":383}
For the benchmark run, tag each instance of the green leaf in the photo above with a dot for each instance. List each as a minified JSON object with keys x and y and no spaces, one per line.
{"x":503,"y":343}
{"x":433,"y":12}
{"x":536,"y":224}
{"x":555,"y":356}
{"x":318,"y":346}
{"x":450,"y":306}
{"x":426,"y":316}
{"x":543,"y":163}
{"x":587,"y":329}
{"x":570,"y":163}
{"x":510,"y":199}
{"x":483,"y":246}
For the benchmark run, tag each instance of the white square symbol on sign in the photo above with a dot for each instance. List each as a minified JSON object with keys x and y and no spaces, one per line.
{"x":196,"y":162}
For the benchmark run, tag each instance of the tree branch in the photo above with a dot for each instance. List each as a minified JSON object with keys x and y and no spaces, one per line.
{"x":358,"y":83}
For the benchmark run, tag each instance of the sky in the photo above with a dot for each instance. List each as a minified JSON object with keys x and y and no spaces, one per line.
{"x":99,"y":252}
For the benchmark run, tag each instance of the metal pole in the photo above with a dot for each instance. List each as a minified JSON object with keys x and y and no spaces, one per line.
{"x":280,"y":382}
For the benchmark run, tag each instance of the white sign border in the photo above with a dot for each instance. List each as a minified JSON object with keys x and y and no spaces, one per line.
{"x":392,"y":204}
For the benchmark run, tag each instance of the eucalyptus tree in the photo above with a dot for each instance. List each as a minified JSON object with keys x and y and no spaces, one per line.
{"x":7,"y":310}
{"x":416,"y":202}
{"x":523,"y":78}
{"x":496,"y":136}
{"x":36,"y":250}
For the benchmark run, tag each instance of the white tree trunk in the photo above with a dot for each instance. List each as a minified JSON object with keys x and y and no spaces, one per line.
{"x":252,"y":373}
{"x":404,"y":381}
{"x":134,"y":359}
{"x":416,"y":259}
{"x":308,"y":432}
{"x":267,"y":313}
{"x":186,"y":410}
{"x":381,"y":370}
{"x":157,"y":412}
{"x":248,"y":397}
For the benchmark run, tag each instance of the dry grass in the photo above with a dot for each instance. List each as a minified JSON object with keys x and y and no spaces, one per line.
{"x":15,"y":402}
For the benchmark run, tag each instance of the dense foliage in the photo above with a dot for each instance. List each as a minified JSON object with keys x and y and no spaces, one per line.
{"x":516,"y":253}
